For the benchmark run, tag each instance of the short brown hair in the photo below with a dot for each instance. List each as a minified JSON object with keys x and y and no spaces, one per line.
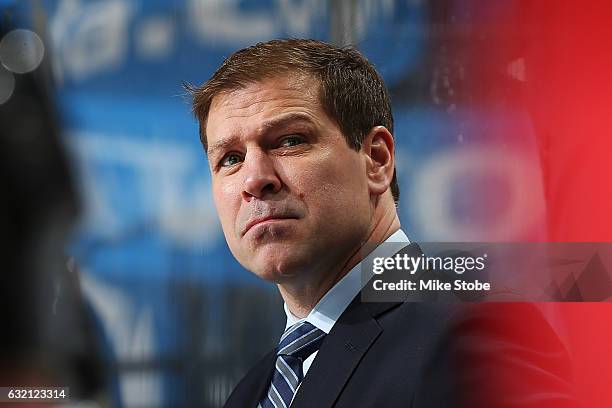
{"x":351,"y":91}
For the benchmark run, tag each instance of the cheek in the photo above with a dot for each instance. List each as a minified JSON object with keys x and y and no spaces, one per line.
{"x":334,"y":187}
{"x":225,"y":202}
{"x":345,"y":175}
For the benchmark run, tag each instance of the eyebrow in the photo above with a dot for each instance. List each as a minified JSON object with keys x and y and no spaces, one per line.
{"x":266,"y":127}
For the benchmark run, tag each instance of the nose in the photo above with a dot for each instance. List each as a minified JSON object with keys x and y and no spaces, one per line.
{"x":260,"y":176}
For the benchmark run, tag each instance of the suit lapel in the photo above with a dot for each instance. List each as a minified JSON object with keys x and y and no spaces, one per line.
{"x":350,"y":338}
{"x":340,"y":353}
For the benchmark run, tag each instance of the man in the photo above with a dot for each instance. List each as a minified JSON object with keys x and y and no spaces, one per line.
{"x":298,"y":135}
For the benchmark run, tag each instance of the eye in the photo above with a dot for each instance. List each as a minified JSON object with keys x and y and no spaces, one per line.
{"x":230,"y":160}
{"x":291,"y":141}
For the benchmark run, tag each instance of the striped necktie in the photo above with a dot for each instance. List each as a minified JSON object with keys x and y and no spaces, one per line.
{"x":297,"y":343}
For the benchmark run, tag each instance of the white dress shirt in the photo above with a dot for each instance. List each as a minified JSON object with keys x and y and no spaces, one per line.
{"x":327,"y":311}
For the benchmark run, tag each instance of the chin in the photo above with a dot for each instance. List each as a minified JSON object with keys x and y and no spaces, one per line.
{"x":273,"y":267}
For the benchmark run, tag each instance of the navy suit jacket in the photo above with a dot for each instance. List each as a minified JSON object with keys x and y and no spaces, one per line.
{"x":426,"y":354}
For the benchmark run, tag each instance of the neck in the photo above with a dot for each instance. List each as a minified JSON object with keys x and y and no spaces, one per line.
{"x":302,"y":298}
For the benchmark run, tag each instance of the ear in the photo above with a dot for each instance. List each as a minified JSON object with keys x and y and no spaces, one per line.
{"x":379,"y":149}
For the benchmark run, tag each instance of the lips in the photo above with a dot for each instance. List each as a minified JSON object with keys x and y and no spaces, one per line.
{"x":256,"y":221}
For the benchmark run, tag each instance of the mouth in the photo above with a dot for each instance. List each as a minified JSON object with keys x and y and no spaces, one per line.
{"x":265,"y":220}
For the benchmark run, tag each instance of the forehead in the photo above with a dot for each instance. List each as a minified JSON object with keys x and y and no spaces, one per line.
{"x":244,"y":108}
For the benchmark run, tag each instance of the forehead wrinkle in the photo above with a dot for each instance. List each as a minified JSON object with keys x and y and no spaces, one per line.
{"x":285,"y":120}
{"x":240,"y":104}
{"x":277,"y":89}
{"x":251,"y":108}
{"x":267,"y":126}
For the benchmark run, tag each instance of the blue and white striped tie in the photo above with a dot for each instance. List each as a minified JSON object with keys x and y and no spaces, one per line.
{"x":297,"y":343}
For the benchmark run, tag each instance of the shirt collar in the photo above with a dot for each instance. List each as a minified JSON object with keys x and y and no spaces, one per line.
{"x":327,"y":311}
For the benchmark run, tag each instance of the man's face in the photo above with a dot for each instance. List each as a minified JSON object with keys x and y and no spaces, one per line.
{"x":291,"y":195}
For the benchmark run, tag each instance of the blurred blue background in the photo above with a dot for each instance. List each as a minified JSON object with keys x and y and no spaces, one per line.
{"x":177,"y":312}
